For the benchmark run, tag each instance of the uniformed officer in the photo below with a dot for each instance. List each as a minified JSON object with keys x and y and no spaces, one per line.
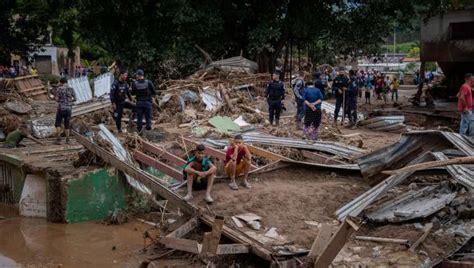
{"x":275,"y":93}
{"x":352,"y":93}
{"x":144,"y":91}
{"x":339,"y":86}
{"x":119,"y":93}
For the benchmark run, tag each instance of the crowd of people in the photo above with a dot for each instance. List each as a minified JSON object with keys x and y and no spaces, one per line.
{"x":17,"y":70}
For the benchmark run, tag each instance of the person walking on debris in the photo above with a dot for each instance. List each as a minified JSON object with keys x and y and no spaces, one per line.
{"x":395,"y":87}
{"x":144,"y":91}
{"x":352,"y":93}
{"x":298,"y":91}
{"x":237,"y":161}
{"x":119,"y":93}
{"x":465,"y":104}
{"x":312,"y":117}
{"x":369,"y":87}
{"x":65,"y":97}
{"x":275,"y":94}
{"x":199,"y":173}
{"x":14,"y":138}
{"x":339,"y":86}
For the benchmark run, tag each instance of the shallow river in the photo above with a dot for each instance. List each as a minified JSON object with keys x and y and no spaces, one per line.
{"x":30,"y":242}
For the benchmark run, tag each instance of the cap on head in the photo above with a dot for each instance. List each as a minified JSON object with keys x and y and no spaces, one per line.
{"x":140,"y":72}
{"x":200,"y":147}
{"x":63,"y":80}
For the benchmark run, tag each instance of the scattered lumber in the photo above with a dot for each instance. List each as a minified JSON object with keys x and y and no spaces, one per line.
{"x":432,"y":164}
{"x":422,"y":238}
{"x":384,"y":240}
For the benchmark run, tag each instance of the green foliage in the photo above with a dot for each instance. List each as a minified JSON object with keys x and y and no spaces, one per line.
{"x":430,"y":66}
{"x":414,"y":52}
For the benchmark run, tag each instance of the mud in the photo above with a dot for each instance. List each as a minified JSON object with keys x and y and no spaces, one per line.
{"x":37,"y":243}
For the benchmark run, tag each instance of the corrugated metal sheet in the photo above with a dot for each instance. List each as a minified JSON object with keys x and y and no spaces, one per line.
{"x":462,"y":174}
{"x":356,"y":206}
{"x":330,"y":108}
{"x":123,"y":155}
{"x":385,"y":123}
{"x":334,"y":148}
{"x":82,"y":89}
{"x":90,"y":107}
{"x":412,"y":205}
{"x":102,"y":84}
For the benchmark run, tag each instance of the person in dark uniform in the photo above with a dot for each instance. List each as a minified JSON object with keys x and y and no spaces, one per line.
{"x":298,"y":91}
{"x":351,"y":97}
{"x":339,"y":86}
{"x":119,"y":93}
{"x":144,"y":91}
{"x":275,"y":93}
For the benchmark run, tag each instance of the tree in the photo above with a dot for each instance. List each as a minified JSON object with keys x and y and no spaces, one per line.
{"x":23,"y":27}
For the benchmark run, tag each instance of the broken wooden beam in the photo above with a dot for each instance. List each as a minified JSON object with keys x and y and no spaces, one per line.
{"x":226,"y":98}
{"x":335,"y":244}
{"x":185,"y":228}
{"x":321,"y":240}
{"x":226,"y":249}
{"x":152,"y":162}
{"x":211,"y":239}
{"x":151,"y":148}
{"x":422,"y":238}
{"x":432,"y":164}
{"x":384,"y":240}
{"x":186,"y":245}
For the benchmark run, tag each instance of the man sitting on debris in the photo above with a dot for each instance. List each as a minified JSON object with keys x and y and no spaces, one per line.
{"x":237,"y":162}
{"x":465,"y":104}
{"x":275,"y":94}
{"x":15,"y":137}
{"x":144,"y":90}
{"x":118,"y":96}
{"x":65,"y":97}
{"x":199,"y":173}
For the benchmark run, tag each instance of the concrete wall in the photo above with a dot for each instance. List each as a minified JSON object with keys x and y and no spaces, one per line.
{"x":94,"y":196}
{"x":12,"y":179}
{"x":436,"y":43}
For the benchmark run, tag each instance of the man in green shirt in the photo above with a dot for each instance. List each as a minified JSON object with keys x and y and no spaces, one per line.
{"x":199,"y":172}
{"x":15,"y":137}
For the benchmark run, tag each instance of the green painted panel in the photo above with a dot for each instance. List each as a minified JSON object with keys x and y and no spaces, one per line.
{"x":95,"y":196}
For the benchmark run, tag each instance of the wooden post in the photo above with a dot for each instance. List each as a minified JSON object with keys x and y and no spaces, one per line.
{"x":211,"y":239}
{"x":338,"y":240}
{"x":321,"y":240}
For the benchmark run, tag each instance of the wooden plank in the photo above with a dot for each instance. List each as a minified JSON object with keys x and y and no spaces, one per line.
{"x":226,"y":249}
{"x":383,"y":240}
{"x":150,"y":161}
{"x":338,"y":240}
{"x":255,"y":247}
{"x":187,"y":245}
{"x":320,"y":158}
{"x":138,"y":174}
{"x":216,"y":234}
{"x":432,"y":164}
{"x":422,"y":238}
{"x":266,"y":154}
{"x":321,"y":240}
{"x":19,"y":78}
{"x":24,"y":91}
{"x":185,"y":228}
{"x":148,"y":147}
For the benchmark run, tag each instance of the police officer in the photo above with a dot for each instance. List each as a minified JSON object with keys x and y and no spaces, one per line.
{"x":144,"y":91}
{"x":339,"y":86}
{"x":298,"y":91}
{"x":119,"y":93}
{"x":352,"y":93}
{"x":275,"y":93}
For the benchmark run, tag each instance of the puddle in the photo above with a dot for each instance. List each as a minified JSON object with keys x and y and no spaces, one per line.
{"x":34,"y":242}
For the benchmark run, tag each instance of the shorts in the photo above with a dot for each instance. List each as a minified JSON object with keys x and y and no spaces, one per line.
{"x":367,"y":94}
{"x":63,"y":115}
{"x":239,"y":169}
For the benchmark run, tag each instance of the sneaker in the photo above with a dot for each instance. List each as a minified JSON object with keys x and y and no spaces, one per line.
{"x":188,"y":197}
{"x":247,"y":185}
{"x":208,"y":199}
{"x":233,"y":186}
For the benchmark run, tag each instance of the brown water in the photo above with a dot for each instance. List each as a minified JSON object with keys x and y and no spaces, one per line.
{"x":30,"y":242}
